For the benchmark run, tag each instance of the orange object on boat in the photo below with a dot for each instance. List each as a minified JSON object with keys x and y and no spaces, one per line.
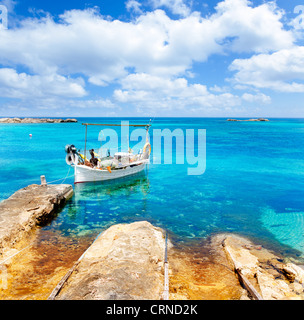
{"x":109,"y":169}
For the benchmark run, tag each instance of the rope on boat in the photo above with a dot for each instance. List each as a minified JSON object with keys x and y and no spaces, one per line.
{"x":166,"y":271}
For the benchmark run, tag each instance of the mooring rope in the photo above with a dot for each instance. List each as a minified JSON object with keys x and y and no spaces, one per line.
{"x":166,"y":271}
{"x":15,"y":254}
{"x":63,"y":179}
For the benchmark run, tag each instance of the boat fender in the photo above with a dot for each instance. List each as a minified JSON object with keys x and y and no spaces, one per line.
{"x":147,"y":145}
{"x":70,"y":148}
{"x":109,"y":169}
{"x":70,"y":159}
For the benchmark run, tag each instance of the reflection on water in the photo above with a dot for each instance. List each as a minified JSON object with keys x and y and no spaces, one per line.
{"x":125,"y":186}
{"x":97,"y":205}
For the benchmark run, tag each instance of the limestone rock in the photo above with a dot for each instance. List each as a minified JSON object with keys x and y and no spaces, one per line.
{"x":293,"y":272}
{"x":124,"y":263}
{"x":264,"y":270}
{"x":28,"y":207}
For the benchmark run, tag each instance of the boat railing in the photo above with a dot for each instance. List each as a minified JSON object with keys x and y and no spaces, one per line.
{"x":124,"y":158}
{"x":98,"y":152}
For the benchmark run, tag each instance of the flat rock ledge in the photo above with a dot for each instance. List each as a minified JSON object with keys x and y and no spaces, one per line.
{"x":265,"y":275}
{"x":31,"y":206}
{"x":35,"y":120}
{"x":125,"y":262}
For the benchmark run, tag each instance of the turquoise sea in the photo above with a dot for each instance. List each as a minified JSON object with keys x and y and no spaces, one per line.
{"x":253,"y":184}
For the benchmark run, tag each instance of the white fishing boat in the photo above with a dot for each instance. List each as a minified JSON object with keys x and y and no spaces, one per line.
{"x":99,"y":168}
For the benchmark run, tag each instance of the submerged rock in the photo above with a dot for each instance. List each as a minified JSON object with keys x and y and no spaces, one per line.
{"x":125,"y":262}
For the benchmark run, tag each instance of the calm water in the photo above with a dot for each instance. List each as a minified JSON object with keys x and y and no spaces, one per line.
{"x":253,"y":184}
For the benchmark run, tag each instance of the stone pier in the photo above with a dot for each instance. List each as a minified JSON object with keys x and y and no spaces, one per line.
{"x":124,"y":263}
{"x":32,"y":206}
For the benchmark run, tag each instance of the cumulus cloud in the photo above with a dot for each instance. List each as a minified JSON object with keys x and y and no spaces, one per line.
{"x":22,"y":85}
{"x":178,"y":7}
{"x":281,"y":71}
{"x":150,"y":57}
{"x":86,"y":42}
{"x":259,"y":97}
{"x":133,"y":5}
{"x":147,"y":91}
{"x":246,"y":29}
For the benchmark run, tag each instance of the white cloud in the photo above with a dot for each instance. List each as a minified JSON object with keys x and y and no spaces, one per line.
{"x":246,"y":29}
{"x":259,"y":97}
{"x":176,"y":6}
{"x":150,"y":56}
{"x":92,"y":103}
{"x":68,"y":106}
{"x":154,"y":92}
{"x":133,"y":5}
{"x":281,"y":71}
{"x":22,"y":85}
{"x":103,"y":50}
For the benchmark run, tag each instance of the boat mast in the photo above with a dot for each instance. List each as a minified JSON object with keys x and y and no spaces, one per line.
{"x":85,"y":142}
{"x":147,"y":126}
{"x":116,"y":125}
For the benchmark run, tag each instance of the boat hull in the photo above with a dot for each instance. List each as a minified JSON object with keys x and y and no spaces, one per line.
{"x":87,"y":174}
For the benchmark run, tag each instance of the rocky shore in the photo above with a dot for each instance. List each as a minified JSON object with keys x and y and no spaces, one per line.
{"x":265,"y":275}
{"x":31,"y":206}
{"x":35,"y":120}
{"x":127,"y":261}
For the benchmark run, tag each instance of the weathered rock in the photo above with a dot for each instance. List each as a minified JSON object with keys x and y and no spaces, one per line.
{"x":124,"y":263}
{"x":70,"y":120}
{"x":293,"y":272}
{"x":35,"y":120}
{"x":263,"y":269}
{"x":202,"y":271}
{"x":27,"y":208}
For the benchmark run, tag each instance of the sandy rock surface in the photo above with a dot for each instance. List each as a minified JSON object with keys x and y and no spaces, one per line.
{"x":125,"y":262}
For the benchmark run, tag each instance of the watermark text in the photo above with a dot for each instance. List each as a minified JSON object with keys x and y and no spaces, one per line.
{"x":3,"y":17}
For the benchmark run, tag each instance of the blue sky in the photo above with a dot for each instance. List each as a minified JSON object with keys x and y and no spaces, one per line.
{"x":230,"y":58}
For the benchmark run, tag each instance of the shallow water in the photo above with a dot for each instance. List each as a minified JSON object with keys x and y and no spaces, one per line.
{"x":253,"y":183}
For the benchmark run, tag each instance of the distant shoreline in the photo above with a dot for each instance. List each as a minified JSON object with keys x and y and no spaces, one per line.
{"x":36,"y":120}
{"x":259,"y":119}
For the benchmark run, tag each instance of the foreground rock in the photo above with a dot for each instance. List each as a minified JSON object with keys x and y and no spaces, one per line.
{"x":259,"y":119}
{"x":264,"y":272}
{"x":124,"y":263}
{"x":35,"y":120}
{"x":29,"y":207}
